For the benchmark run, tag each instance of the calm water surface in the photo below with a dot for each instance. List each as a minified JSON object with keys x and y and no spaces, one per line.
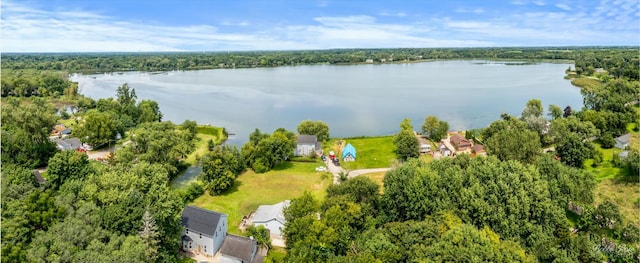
{"x":354,"y":100}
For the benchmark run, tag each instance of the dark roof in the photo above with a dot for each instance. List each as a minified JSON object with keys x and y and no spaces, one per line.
{"x":186,"y":238}
{"x":239,"y":247}
{"x":39,"y":177}
{"x":201,"y":220}
{"x":311,"y":139}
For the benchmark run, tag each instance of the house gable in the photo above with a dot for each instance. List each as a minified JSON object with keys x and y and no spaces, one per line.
{"x":204,"y":230}
{"x":623,"y":141}
{"x":307,"y":144}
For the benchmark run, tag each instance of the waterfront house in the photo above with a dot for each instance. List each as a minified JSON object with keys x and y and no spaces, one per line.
{"x":478,"y":149}
{"x":204,"y":231}
{"x":444,"y":150}
{"x":459,"y":142}
{"x":425,"y":146}
{"x":307,"y":144}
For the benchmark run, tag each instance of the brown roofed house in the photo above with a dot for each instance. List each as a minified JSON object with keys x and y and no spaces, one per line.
{"x":478,"y":149}
{"x":460,"y":142}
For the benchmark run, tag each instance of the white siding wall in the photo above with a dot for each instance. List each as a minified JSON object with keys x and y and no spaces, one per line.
{"x":274,"y":226}
{"x":305,"y":149}
{"x":209,"y":243}
{"x":205,"y":242}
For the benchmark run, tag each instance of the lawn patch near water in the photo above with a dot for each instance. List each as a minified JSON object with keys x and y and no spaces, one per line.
{"x":371,"y":152}
{"x":286,"y":181}
{"x":205,"y":133}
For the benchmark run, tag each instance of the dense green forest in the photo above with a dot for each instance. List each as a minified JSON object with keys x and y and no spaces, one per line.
{"x":516,"y":205}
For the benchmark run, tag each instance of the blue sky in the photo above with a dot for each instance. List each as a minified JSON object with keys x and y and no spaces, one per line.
{"x":190,"y":25}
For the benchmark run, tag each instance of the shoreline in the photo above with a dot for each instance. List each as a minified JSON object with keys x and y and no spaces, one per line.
{"x":524,"y":61}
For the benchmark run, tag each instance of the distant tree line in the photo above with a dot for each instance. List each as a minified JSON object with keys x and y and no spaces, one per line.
{"x":586,"y":58}
{"x":37,"y":83}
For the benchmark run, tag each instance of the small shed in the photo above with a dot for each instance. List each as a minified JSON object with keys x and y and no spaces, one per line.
{"x":349,"y":153}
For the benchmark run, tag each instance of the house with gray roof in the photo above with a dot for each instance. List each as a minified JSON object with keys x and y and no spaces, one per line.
{"x":622,"y":142}
{"x":271,"y":217}
{"x":70,"y":144}
{"x":204,"y":231}
{"x":237,"y":249}
{"x":307,"y":144}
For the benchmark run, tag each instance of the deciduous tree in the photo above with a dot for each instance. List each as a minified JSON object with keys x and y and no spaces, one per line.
{"x":318,"y":128}
{"x":406,"y":142}
{"x":434,"y":128}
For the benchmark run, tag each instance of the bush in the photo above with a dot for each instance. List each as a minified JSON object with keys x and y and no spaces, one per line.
{"x":607,"y":141}
{"x":629,"y":233}
{"x":193,"y":191}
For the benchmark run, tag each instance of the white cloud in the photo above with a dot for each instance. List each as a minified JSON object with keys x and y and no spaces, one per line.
{"x":563,"y":6}
{"x":389,"y":13}
{"x":28,"y":29}
{"x":474,"y":11}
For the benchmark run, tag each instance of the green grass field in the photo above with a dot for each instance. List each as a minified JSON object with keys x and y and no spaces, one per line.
{"x":286,"y":181}
{"x":205,"y":133}
{"x":371,"y":152}
{"x":606,"y":169}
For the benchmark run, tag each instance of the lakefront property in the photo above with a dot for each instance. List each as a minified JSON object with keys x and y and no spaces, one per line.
{"x":347,"y":155}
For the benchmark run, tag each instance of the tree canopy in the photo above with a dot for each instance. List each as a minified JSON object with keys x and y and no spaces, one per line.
{"x":318,"y":128}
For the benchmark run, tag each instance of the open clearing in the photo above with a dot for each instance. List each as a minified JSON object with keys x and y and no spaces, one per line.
{"x":371,"y":152}
{"x":286,"y":181}
{"x":624,"y":193}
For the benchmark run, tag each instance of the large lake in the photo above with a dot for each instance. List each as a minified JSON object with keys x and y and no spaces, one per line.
{"x":355,"y":100}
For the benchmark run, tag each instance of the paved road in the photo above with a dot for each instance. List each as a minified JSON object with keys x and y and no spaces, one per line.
{"x":355,"y":173}
{"x":335,"y":170}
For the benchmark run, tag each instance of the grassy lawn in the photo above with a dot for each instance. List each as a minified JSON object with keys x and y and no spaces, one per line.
{"x":624,"y":193}
{"x":287,"y":181}
{"x":371,"y":152}
{"x":205,"y":133}
{"x":605,"y":170}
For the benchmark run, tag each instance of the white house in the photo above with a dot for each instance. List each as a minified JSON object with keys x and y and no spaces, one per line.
{"x":622,"y":142}
{"x":237,"y":249}
{"x":204,"y":230}
{"x":425,"y":146}
{"x":444,"y":150}
{"x":307,"y":144}
{"x":271,"y":217}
